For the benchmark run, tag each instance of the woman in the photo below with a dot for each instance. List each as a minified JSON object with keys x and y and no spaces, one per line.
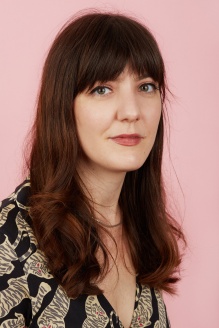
{"x":86,"y":240}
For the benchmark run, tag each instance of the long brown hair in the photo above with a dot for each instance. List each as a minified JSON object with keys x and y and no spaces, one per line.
{"x":96,"y":47}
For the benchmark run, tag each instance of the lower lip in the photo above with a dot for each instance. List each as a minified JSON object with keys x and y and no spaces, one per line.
{"x":127,"y":141}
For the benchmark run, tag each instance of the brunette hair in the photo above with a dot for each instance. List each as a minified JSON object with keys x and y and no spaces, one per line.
{"x":96,"y":47}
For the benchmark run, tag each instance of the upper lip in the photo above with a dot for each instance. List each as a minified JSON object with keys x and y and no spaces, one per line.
{"x":125,"y":135}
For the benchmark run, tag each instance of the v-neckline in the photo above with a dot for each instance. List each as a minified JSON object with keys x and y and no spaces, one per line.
{"x":137,"y":291}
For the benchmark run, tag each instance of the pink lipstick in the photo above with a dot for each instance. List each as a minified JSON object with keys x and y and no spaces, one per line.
{"x":127,"y":139}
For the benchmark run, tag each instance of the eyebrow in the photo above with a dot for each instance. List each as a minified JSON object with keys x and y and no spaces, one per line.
{"x":119,"y":78}
{"x":136,"y":77}
{"x":144,"y":76}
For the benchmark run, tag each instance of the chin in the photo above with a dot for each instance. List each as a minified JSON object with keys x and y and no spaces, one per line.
{"x":134,"y":168}
{"x":128,"y":167}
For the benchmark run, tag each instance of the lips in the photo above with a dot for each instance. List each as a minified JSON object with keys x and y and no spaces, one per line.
{"x":127,"y":139}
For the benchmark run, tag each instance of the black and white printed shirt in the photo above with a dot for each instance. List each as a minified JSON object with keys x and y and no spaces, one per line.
{"x":31,"y":297}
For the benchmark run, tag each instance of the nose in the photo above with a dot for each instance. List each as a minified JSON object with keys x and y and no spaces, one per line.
{"x":128,"y":108}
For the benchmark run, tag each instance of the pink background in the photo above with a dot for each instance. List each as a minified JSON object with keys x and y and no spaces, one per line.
{"x":187,"y":32}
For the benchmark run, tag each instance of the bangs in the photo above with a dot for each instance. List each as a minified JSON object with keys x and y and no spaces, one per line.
{"x":110,"y":44}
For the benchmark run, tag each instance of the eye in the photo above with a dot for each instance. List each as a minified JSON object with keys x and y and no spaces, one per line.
{"x":148,"y":87}
{"x":101,"y":90}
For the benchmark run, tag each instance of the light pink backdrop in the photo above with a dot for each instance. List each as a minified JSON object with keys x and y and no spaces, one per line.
{"x":187,"y":32}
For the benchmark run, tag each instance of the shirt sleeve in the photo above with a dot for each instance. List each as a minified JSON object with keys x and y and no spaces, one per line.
{"x":15,"y":304}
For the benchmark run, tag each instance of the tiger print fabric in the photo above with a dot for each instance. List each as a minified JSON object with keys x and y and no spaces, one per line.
{"x":30,"y":296}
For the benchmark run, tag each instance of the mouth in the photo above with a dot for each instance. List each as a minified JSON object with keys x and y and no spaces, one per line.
{"x":127,"y":139}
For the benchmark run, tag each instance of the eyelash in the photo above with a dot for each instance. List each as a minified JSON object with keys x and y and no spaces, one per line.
{"x":143,"y":85}
{"x":99,"y":87}
{"x":149,"y":85}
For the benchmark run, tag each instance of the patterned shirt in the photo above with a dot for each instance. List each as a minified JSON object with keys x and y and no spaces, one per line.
{"x":31,"y":297}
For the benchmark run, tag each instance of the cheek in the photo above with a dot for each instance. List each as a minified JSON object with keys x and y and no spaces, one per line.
{"x":157,"y":118}
{"x":89,"y":126}
{"x":152,"y":119}
{"x":93,"y":122}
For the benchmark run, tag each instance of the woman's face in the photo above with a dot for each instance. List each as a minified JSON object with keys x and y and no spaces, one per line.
{"x":117,"y":122}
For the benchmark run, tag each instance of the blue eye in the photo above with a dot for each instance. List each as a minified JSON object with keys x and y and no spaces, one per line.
{"x":148,"y":87}
{"x":101,"y":90}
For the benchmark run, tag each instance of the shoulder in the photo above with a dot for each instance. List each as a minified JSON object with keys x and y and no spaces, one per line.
{"x":18,"y":198}
{"x":15,"y":223}
{"x":15,"y":203}
{"x":24,"y":275}
{"x":17,"y":243}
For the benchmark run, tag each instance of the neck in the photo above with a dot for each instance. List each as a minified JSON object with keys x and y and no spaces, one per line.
{"x":103,"y":190}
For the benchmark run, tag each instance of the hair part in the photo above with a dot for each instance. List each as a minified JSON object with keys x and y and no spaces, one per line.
{"x":96,"y":47}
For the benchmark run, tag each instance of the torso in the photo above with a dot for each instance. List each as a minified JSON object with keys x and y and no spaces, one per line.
{"x":41,"y":302}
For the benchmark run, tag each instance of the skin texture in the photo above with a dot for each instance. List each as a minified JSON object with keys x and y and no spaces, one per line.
{"x":125,"y":106}
{"x":130,"y":105}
